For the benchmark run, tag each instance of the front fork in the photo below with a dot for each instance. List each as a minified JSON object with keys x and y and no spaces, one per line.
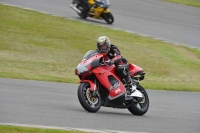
{"x":95,"y":89}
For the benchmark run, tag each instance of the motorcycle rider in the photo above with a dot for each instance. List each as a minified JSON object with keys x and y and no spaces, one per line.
{"x":112,"y":55}
{"x":87,"y":3}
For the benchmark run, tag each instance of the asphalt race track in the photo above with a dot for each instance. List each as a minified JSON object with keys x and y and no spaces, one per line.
{"x":56,"y":104}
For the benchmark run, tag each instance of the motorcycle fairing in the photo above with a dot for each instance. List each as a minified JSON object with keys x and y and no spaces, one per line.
{"x":91,"y":2}
{"x":133,"y":69}
{"x":97,"y":12}
{"x":106,"y":11}
{"x":89,"y":61}
{"x":101,"y":7}
{"x":83,"y":67}
{"x":117,"y":102}
{"x":115,"y":88}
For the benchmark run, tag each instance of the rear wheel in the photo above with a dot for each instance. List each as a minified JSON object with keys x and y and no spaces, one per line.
{"x":83,"y":13}
{"x":108,"y":17}
{"x":140,"y":108}
{"x":89,"y":102}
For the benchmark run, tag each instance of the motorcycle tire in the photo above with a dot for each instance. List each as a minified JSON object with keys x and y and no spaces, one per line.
{"x":83,"y":13}
{"x":140,"y":108}
{"x":85,"y":96}
{"x":108,"y":17}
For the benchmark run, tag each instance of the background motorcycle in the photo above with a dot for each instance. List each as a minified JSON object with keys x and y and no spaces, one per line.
{"x":98,"y":11}
{"x":100,"y":86}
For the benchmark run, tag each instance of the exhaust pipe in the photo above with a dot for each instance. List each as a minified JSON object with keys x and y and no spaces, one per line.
{"x":77,"y":10}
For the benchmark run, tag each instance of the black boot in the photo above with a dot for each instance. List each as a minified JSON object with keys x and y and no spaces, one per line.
{"x":73,"y":1}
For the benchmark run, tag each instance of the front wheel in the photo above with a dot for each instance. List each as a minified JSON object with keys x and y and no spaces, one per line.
{"x":108,"y":17}
{"x":140,"y":108}
{"x":89,"y":102}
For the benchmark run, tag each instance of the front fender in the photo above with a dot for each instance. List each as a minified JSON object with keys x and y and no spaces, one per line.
{"x":92,"y":84}
{"x":106,"y":11}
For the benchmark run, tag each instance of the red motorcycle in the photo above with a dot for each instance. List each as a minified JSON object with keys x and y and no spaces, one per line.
{"x":100,"y":86}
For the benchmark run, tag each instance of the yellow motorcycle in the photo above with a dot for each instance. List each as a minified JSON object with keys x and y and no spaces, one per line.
{"x":98,"y":10}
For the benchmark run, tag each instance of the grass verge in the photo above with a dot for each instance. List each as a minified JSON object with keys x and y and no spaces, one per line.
{"x":186,"y":2}
{"x":17,"y":129}
{"x":42,"y":47}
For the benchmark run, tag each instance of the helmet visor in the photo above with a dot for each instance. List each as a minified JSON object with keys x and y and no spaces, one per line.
{"x":103,"y":48}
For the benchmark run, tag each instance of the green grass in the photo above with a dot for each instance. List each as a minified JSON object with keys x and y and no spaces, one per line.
{"x":42,"y":47}
{"x":17,"y":129}
{"x":186,"y":2}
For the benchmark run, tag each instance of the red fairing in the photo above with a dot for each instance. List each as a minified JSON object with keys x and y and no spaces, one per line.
{"x":133,"y":69}
{"x":117,"y":92}
{"x":102,"y":73}
{"x":105,"y":74}
{"x":83,"y":69}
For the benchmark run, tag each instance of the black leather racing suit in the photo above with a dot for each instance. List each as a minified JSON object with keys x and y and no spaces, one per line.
{"x":122,"y":65}
{"x":84,"y":3}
